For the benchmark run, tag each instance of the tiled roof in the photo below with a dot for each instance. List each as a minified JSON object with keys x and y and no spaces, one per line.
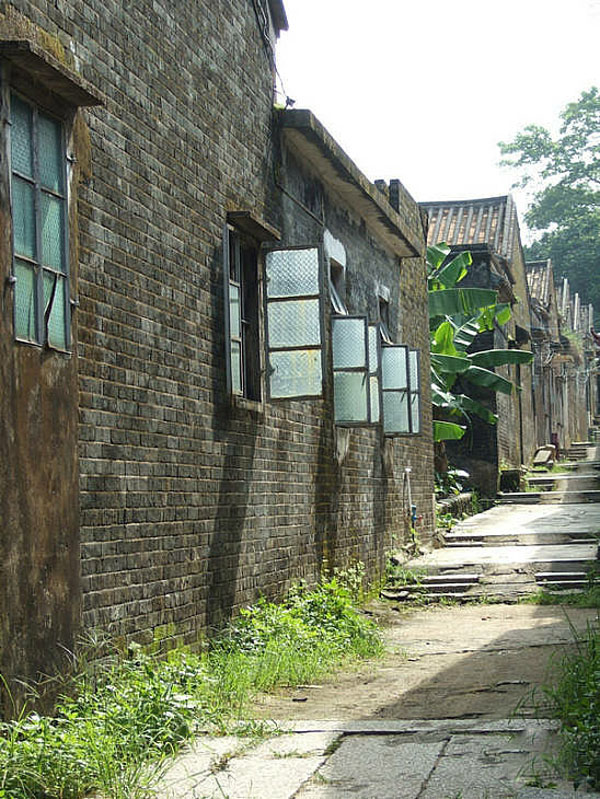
{"x":490,"y":221}
{"x":539,"y":280}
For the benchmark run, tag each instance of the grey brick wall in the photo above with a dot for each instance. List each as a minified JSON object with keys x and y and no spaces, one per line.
{"x":191,"y":506}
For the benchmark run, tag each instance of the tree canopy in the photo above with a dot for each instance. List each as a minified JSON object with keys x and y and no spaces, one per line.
{"x":565,"y":173}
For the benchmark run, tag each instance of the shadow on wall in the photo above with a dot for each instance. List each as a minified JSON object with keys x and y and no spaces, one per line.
{"x":327,"y":493}
{"x":236,"y":430}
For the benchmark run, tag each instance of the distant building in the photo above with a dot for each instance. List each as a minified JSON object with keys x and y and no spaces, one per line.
{"x":489,"y":229}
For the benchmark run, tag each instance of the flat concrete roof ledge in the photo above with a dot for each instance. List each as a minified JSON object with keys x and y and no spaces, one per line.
{"x":313,"y":142}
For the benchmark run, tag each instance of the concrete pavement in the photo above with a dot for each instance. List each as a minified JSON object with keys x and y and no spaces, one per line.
{"x":436,"y":759}
{"x":504,"y":550}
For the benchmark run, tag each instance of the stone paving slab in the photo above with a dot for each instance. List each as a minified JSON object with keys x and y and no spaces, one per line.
{"x":238,"y":768}
{"x":374,"y":767}
{"x":553,"y":793}
{"x":538,"y":518}
{"x":453,"y":557}
{"x":371,"y":759}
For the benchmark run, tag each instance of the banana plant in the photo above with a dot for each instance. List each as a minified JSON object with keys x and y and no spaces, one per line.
{"x":456,"y":316}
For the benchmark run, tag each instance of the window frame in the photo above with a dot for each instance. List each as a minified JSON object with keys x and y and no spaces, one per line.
{"x":364,"y":370}
{"x":411,"y":391}
{"x":251,"y":389}
{"x":269,"y":301}
{"x":337,"y":287}
{"x":41,"y":313}
{"x":414,"y":391}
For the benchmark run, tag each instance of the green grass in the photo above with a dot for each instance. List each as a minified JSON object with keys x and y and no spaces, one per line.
{"x":125,"y":713}
{"x":589,"y":598}
{"x":574,"y":699}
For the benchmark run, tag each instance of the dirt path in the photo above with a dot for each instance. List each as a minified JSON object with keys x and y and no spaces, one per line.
{"x":458,"y":662}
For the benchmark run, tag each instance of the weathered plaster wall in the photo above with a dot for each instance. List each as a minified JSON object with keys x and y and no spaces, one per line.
{"x":40,"y":593}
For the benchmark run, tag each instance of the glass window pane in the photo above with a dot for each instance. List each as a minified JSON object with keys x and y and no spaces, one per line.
{"x":296,"y":373}
{"x":23,"y":217}
{"x":294,"y":323}
{"x":350,"y":397}
{"x":21,"y":137}
{"x":414,"y":413}
{"x":292,"y":273}
{"x":235,"y":325}
{"x":373,"y":349}
{"x":395,"y":412}
{"x":413,"y":361}
{"x":337,"y":303}
{"x":57,"y":331}
{"x":236,"y":367}
{"x":25,"y":302}
{"x":374,"y":398}
{"x":393,"y":367}
{"x":50,"y":153}
{"x":53,"y":248}
{"x":348,"y":343}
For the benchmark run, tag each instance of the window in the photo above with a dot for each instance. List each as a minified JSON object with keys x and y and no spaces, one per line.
{"x":401,"y":390}
{"x":383,"y":301}
{"x":39,"y":214}
{"x":337,"y":287}
{"x":350,"y":350}
{"x":294,"y":313}
{"x":243,"y":302}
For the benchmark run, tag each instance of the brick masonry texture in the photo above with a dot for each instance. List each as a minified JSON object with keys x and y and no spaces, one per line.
{"x":192,"y":505}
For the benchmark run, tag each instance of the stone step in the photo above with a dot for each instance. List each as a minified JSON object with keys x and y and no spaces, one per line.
{"x":456,"y":577}
{"x":471,"y":537}
{"x":549,"y":497}
{"x":571,"y":479}
{"x":553,"y":576}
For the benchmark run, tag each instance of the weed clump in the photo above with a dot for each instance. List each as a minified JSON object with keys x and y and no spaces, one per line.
{"x":575,"y":701}
{"x":125,"y":712}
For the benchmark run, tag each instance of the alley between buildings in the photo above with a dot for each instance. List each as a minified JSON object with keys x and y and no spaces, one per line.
{"x":450,"y":712}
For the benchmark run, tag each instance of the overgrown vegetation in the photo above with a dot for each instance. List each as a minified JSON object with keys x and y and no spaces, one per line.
{"x":588,"y":597}
{"x":124,"y":713}
{"x":574,"y":700}
{"x":450,"y":483}
{"x":456,"y":317}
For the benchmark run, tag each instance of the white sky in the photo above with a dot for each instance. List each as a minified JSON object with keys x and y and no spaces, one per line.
{"x":423,"y":90}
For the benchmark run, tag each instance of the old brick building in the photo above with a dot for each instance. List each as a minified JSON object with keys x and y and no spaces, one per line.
{"x":489,"y":229}
{"x":201,"y":397}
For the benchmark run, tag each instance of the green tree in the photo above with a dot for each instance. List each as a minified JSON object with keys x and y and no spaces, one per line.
{"x":456,"y":316}
{"x":564,"y":171}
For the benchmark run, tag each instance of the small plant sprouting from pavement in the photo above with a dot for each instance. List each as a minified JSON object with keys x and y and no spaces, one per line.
{"x":123,"y":713}
{"x":574,"y":700}
{"x":588,"y":597}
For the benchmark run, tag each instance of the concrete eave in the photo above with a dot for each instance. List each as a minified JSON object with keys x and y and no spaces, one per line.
{"x":313,"y":143}
{"x":278,"y":15}
{"x":45,"y":69}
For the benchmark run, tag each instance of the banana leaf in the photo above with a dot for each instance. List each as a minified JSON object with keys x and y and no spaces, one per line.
{"x":483,"y":377}
{"x":503,"y":313}
{"x":447,"y":431}
{"x":489,"y":358}
{"x":454,"y":271}
{"x":443,"y":339}
{"x":436,"y":255}
{"x":469,"y":405}
{"x":446,"y":302}
{"x":450,"y":363}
